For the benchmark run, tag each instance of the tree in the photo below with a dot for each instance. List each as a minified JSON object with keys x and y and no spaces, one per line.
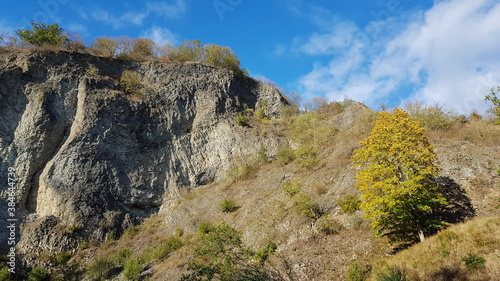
{"x":104,"y":46}
{"x":42,"y":34}
{"x":142,"y":48}
{"x":395,"y":182}
{"x":496,"y":102}
{"x":221,"y":57}
{"x":192,"y":50}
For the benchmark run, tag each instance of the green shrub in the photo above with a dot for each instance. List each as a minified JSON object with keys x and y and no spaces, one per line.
{"x":100,"y":268}
{"x":328,"y":225}
{"x":311,"y":129}
{"x":39,"y":274}
{"x":306,"y":157}
{"x":392,"y":274}
{"x":259,"y":113}
{"x":357,"y":271}
{"x":242,"y":170}
{"x":262,"y":157}
{"x":131,"y":231}
{"x":291,"y":188}
{"x":285,"y":155}
{"x":305,"y":206}
{"x":161,"y":251}
{"x":92,"y":70}
{"x":431,"y":117}
{"x":130,"y":82}
{"x":349,"y":204}
{"x":289,"y":111}
{"x":219,"y":255}
{"x":242,"y":120}
{"x":4,"y":273}
{"x":228,"y":206}
{"x":83,"y":245}
{"x":133,"y":268}
{"x":111,"y":235}
{"x":262,"y":254}
{"x":492,"y":97}
{"x":61,"y":258}
{"x":473,"y":262}
{"x":122,"y":256}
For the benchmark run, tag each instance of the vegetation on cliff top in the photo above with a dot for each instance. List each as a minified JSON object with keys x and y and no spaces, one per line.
{"x":53,"y":37}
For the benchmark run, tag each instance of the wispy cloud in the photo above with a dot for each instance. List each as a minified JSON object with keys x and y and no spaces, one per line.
{"x":160,"y":35}
{"x":447,"y":54}
{"x":164,"y":9}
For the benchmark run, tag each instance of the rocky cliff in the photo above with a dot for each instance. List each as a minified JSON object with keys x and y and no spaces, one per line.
{"x":91,"y":159}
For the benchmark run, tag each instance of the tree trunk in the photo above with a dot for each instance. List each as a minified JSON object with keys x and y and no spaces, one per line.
{"x":421,"y":235}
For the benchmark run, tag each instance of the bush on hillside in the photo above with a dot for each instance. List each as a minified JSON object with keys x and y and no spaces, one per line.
{"x":130,"y":82}
{"x":349,"y":204}
{"x":430,"y":117}
{"x":285,"y":155}
{"x":228,"y":206}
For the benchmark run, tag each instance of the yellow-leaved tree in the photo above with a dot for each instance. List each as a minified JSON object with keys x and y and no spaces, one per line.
{"x":398,"y":166}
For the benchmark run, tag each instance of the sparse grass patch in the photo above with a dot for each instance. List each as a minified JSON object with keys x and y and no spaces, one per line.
{"x":456,"y":253}
{"x":228,"y":206}
{"x":392,"y":274}
{"x":100,"y":268}
{"x":122,"y":256}
{"x":159,"y":252}
{"x":39,"y":273}
{"x":328,"y":225}
{"x":306,"y":157}
{"x":133,"y":268}
{"x":473,"y":261}
{"x":241,"y":171}
{"x":285,"y":155}
{"x":357,"y":271}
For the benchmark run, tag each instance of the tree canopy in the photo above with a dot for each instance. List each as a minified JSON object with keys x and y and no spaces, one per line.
{"x":42,"y":34}
{"x":395,"y":182}
{"x":492,"y":97}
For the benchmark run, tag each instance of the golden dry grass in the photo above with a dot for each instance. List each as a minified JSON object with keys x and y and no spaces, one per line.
{"x":440,"y":257}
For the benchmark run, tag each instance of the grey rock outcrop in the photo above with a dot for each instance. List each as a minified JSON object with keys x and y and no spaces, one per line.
{"x":90,"y":159}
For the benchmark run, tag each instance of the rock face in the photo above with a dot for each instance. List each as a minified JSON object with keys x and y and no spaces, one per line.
{"x":90,"y":158}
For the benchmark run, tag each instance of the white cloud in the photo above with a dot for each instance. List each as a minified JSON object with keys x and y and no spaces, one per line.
{"x":162,"y":9}
{"x":447,"y":54}
{"x":160,"y":35}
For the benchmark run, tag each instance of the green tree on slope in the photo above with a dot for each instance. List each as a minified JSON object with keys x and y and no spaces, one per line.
{"x":395,"y":182}
{"x":42,"y":34}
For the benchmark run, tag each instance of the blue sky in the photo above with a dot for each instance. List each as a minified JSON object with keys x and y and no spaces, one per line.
{"x":376,"y":52}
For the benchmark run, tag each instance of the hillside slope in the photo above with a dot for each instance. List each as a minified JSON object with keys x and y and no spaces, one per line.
{"x":312,"y":248}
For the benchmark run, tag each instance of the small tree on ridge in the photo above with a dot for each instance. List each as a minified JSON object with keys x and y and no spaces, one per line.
{"x":42,"y":34}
